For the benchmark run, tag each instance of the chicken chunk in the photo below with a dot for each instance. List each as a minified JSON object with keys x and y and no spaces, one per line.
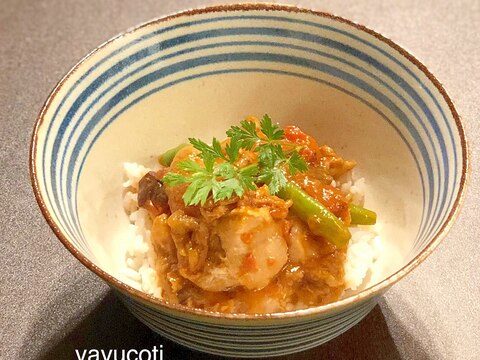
{"x":254,"y":245}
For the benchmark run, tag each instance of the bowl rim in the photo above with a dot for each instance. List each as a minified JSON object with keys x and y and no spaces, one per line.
{"x":364,"y":295}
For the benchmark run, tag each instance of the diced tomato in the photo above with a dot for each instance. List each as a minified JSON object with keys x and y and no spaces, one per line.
{"x":247,"y":237}
{"x":297,"y":136}
{"x":249,"y":264}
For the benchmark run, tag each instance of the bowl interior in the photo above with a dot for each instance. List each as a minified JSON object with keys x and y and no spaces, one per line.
{"x":197,"y":74}
{"x":206,"y":107}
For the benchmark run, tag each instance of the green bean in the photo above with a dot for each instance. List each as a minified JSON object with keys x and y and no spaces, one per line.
{"x":167,"y":157}
{"x":320,"y":220}
{"x":362,"y":216}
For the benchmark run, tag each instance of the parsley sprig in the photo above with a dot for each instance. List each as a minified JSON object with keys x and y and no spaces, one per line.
{"x":216,"y":172}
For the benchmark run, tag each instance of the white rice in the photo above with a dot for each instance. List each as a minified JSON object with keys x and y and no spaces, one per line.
{"x":365,"y":246}
{"x":140,"y":256}
{"x":364,"y":249}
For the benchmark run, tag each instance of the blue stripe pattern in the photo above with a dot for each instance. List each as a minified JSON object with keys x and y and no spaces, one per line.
{"x":139,"y":55}
{"x":313,"y":332}
{"x":310,"y":47}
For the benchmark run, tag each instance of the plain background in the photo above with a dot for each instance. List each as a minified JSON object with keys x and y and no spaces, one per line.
{"x":50,"y":304}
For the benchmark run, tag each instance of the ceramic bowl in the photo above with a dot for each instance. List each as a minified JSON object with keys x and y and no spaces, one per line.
{"x":197,"y":72}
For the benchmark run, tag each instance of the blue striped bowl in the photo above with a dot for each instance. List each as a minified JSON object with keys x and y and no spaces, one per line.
{"x":197,"y":72}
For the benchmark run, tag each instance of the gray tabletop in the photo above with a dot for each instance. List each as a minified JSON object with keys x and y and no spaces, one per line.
{"x":51,"y":305}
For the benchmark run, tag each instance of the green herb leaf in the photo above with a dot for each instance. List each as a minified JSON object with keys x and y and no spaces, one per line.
{"x":269,"y":155}
{"x":198,"y":190}
{"x":247,"y":176}
{"x":200,"y":145}
{"x":189,"y":166}
{"x":225,"y":170}
{"x":246,"y":133}
{"x":209,"y":161}
{"x":221,"y":177}
{"x":173,"y":178}
{"x":296,"y":163}
{"x":222,"y":190}
{"x":271,"y":131}
{"x":274,"y":178}
{"x":215,"y":150}
{"x":233,"y":149}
